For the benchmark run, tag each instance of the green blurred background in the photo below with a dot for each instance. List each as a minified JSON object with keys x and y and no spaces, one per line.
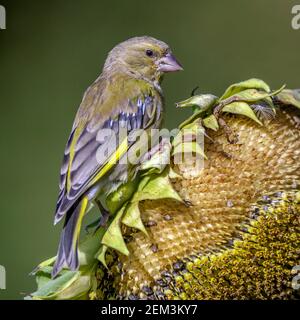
{"x":52,"y":50}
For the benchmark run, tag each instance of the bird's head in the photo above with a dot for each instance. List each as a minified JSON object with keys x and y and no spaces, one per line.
{"x":143,"y":57}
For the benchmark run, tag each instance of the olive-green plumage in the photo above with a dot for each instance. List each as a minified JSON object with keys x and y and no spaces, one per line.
{"x":126,"y":96}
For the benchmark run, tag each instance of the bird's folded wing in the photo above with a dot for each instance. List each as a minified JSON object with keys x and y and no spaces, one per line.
{"x":93,"y":149}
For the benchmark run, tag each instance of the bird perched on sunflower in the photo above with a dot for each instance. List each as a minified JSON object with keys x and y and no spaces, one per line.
{"x":127,"y":95}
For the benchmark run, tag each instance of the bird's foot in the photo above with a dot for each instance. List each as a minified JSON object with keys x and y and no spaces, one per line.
{"x":104,"y":219}
{"x":94,"y":224}
{"x":98,"y":223}
{"x":104,"y":214}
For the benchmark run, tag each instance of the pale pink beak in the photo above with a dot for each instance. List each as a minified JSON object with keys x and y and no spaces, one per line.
{"x":169,"y":64}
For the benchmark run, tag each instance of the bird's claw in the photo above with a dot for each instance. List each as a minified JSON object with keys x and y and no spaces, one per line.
{"x":92,"y":225}
{"x":100,"y":222}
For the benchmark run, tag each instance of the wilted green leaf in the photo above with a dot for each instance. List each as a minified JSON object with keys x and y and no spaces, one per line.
{"x":248,"y":84}
{"x":173,"y":174}
{"x":43,"y":276}
{"x":241,"y":108}
{"x":188,"y":131}
{"x":132,"y":217}
{"x":188,"y":147}
{"x":78,"y":289}
{"x":117,"y":199}
{"x":53,"y":288}
{"x":152,"y":187}
{"x":68,"y":285}
{"x":158,"y":187}
{"x":290,"y":97}
{"x":194,"y":127}
{"x":113,"y":237}
{"x":192,"y":119}
{"x":251,"y":95}
{"x":101,"y":255}
{"x":203,"y":102}
{"x":44,"y":264}
{"x":159,"y":159}
{"x":211,"y":122}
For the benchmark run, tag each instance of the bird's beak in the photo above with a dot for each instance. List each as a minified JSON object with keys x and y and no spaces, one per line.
{"x":169,"y":64}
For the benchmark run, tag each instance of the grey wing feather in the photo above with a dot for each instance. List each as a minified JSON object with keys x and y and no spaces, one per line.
{"x":86,"y":163}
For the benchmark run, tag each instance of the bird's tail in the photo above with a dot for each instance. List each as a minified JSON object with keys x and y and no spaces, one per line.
{"x":67,"y":254}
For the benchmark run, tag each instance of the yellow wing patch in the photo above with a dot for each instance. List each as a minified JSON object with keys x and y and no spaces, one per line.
{"x":122,"y":149}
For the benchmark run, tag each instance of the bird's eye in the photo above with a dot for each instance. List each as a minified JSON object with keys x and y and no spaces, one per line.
{"x":149,"y":53}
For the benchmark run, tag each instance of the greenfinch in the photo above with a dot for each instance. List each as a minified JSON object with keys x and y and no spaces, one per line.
{"x":127,"y":95}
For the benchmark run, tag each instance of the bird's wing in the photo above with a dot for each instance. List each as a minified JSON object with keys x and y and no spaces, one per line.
{"x":84,"y":163}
